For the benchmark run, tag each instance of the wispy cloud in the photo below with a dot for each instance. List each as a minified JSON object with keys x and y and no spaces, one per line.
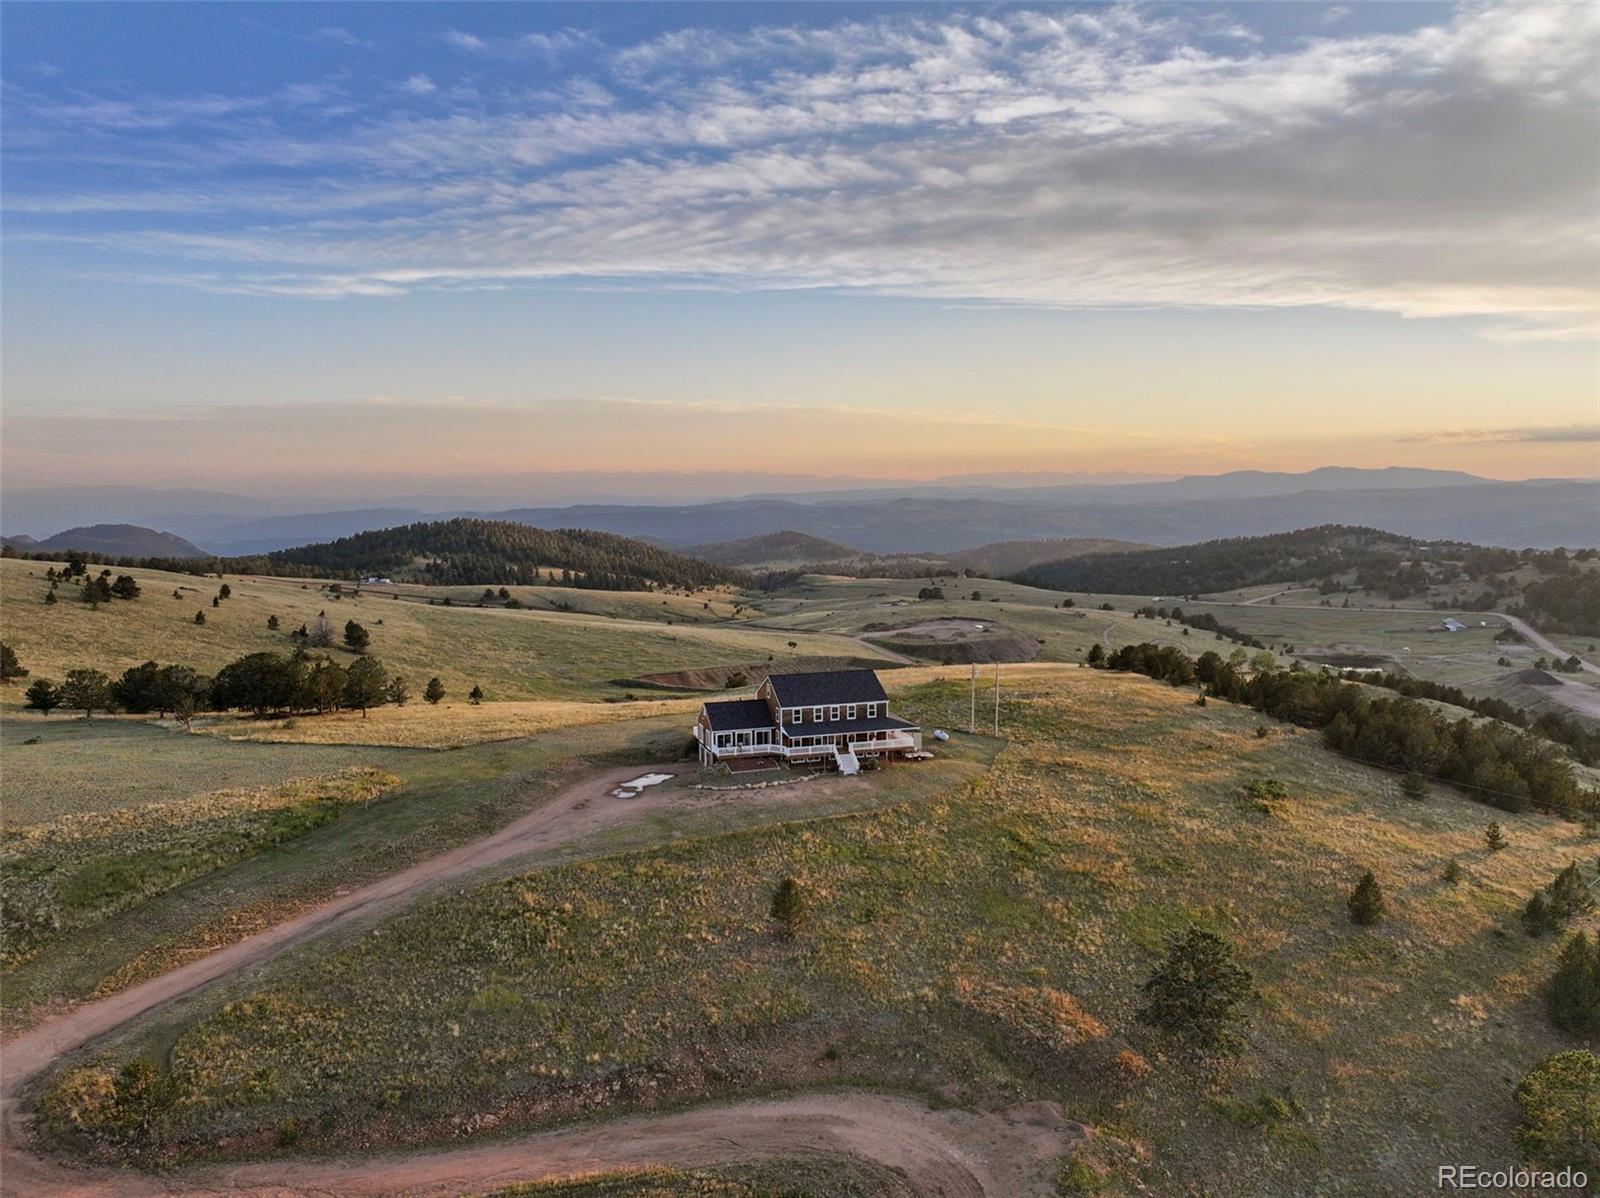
{"x":1109,"y":156}
{"x":1582,"y":434}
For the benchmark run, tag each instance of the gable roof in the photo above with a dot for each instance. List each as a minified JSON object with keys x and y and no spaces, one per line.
{"x":735,"y":715}
{"x":827,"y":687}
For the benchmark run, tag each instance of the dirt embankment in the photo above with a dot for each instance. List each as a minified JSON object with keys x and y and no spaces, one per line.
{"x":956,"y":641}
{"x":716,"y":678}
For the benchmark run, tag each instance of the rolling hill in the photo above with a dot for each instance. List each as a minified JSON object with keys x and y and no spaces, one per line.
{"x":776,"y":548}
{"x":111,"y":540}
{"x":497,"y":552}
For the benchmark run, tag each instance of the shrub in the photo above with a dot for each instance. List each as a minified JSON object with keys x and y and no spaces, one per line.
{"x":1537,"y":918}
{"x":1494,"y":838}
{"x":1414,"y":785}
{"x":789,"y":908}
{"x":356,"y":638}
{"x":1366,"y":901}
{"x":434,"y":691}
{"x":1196,"y":993}
{"x":1453,"y":872}
{"x":1560,"y":1102}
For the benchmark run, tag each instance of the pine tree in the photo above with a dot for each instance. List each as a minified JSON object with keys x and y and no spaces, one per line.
{"x":1573,"y":995}
{"x":42,"y":696}
{"x":1494,"y":838}
{"x":1569,"y":894}
{"x":434,"y":691}
{"x":475,"y":695}
{"x":224,"y":591}
{"x":50,"y":597}
{"x":126,"y":587}
{"x":789,"y":908}
{"x":1097,"y":654}
{"x":1366,"y":901}
{"x":398,"y":692}
{"x":1537,"y":918}
{"x":1453,"y":872}
{"x":87,"y":691}
{"x":272,"y":623}
{"x":1197,"y":992}
{"x":1414,"y":785}
{"x":199,"y":617}
{"x":366,"y":684}
{"x":356,"y":638}
{"x":10,"y":667}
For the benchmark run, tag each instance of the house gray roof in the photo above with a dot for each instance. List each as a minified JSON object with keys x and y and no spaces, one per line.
{"x":735,"y":715}
{"x":827,"y":687}
{"x":883,"y":723}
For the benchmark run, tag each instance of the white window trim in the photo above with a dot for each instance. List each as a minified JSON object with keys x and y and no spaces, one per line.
{"x":850,"y":712}
{"x":816,"y":715}
{"x":833,"y":713}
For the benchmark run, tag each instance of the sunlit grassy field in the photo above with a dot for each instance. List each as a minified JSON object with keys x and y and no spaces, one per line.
{"x":983,"y":940}
{"x":76,"y":870}
{"x":528,"y":654}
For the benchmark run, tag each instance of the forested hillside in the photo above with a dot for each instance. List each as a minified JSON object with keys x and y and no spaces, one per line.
{"x":1308,"y":554}
{"x":467,"y":551}
{"x":786,"y":546}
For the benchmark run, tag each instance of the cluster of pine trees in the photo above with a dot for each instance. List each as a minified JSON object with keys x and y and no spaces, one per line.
{"x":261,"y":683}
{"x":1566,"y":603}
{"x":1504,"y":766}
{"x":1226,"y":564}
{"x":1581,"y":741}
{"x":483,"y":552}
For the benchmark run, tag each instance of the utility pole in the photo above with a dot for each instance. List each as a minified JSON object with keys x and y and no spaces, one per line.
{"x":997,"y":700}
{"x":972,"y":713}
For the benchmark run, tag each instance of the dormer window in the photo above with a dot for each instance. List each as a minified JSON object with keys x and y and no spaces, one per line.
{"x":850,"y":712}
{"x":816,"y":715}
{"x":833,"y":713}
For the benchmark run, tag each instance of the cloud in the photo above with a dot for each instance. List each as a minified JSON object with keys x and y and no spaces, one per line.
{"x":418,"y":85}
{"x":1102,"y":157}
{"x":1581,"y":434}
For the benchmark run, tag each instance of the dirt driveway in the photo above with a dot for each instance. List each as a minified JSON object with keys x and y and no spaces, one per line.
{"x":944,"y":1153}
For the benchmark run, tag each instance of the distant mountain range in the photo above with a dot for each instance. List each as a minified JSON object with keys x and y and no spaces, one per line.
{"x":941,"y":517}
{"x":111,"y":540}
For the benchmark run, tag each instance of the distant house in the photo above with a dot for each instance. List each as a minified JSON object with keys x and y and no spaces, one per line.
{"x":834,"y":717}
{"x":1454,"y":625}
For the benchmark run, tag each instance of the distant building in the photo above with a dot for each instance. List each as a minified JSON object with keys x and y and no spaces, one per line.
{"x":1454,"y":625}
{"x":833,"y":717}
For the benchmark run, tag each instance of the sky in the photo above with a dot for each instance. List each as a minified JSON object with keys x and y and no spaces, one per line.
{"x":380,"y":246}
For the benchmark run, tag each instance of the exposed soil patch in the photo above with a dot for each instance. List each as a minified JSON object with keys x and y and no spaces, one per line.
{"x":954,"y":641}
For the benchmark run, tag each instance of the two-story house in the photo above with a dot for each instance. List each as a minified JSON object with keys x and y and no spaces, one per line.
{"x":834,"y":716}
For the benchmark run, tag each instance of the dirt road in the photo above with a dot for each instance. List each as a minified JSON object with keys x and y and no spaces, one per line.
{"x":945,"y":1153}
{"x":950,"y":1154}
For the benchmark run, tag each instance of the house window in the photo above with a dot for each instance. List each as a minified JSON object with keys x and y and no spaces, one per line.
{"x":833,"y":713}
{"x":796,"y":715}
{"x":816,"y":715}
{"x":722,"y":740}
{"x":850,"y":712}
{"x":872,"y":711}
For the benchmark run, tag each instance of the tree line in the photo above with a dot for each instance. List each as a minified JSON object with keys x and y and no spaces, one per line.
{"x":1581,"y":741}
{"x":263,"y":683}
{"x":1500,"y":765}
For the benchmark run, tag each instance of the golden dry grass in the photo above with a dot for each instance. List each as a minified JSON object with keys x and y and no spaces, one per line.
{"x":527,"y":654}
{"x":444,"y":726}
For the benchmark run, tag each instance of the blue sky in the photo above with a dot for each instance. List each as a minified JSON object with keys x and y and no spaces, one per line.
{"x":488,"y":239}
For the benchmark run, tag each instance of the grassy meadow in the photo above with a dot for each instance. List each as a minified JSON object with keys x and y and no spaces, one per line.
{"x":979,"y":936}
{"x":512,"y":654}
{"x":77,"y":870}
